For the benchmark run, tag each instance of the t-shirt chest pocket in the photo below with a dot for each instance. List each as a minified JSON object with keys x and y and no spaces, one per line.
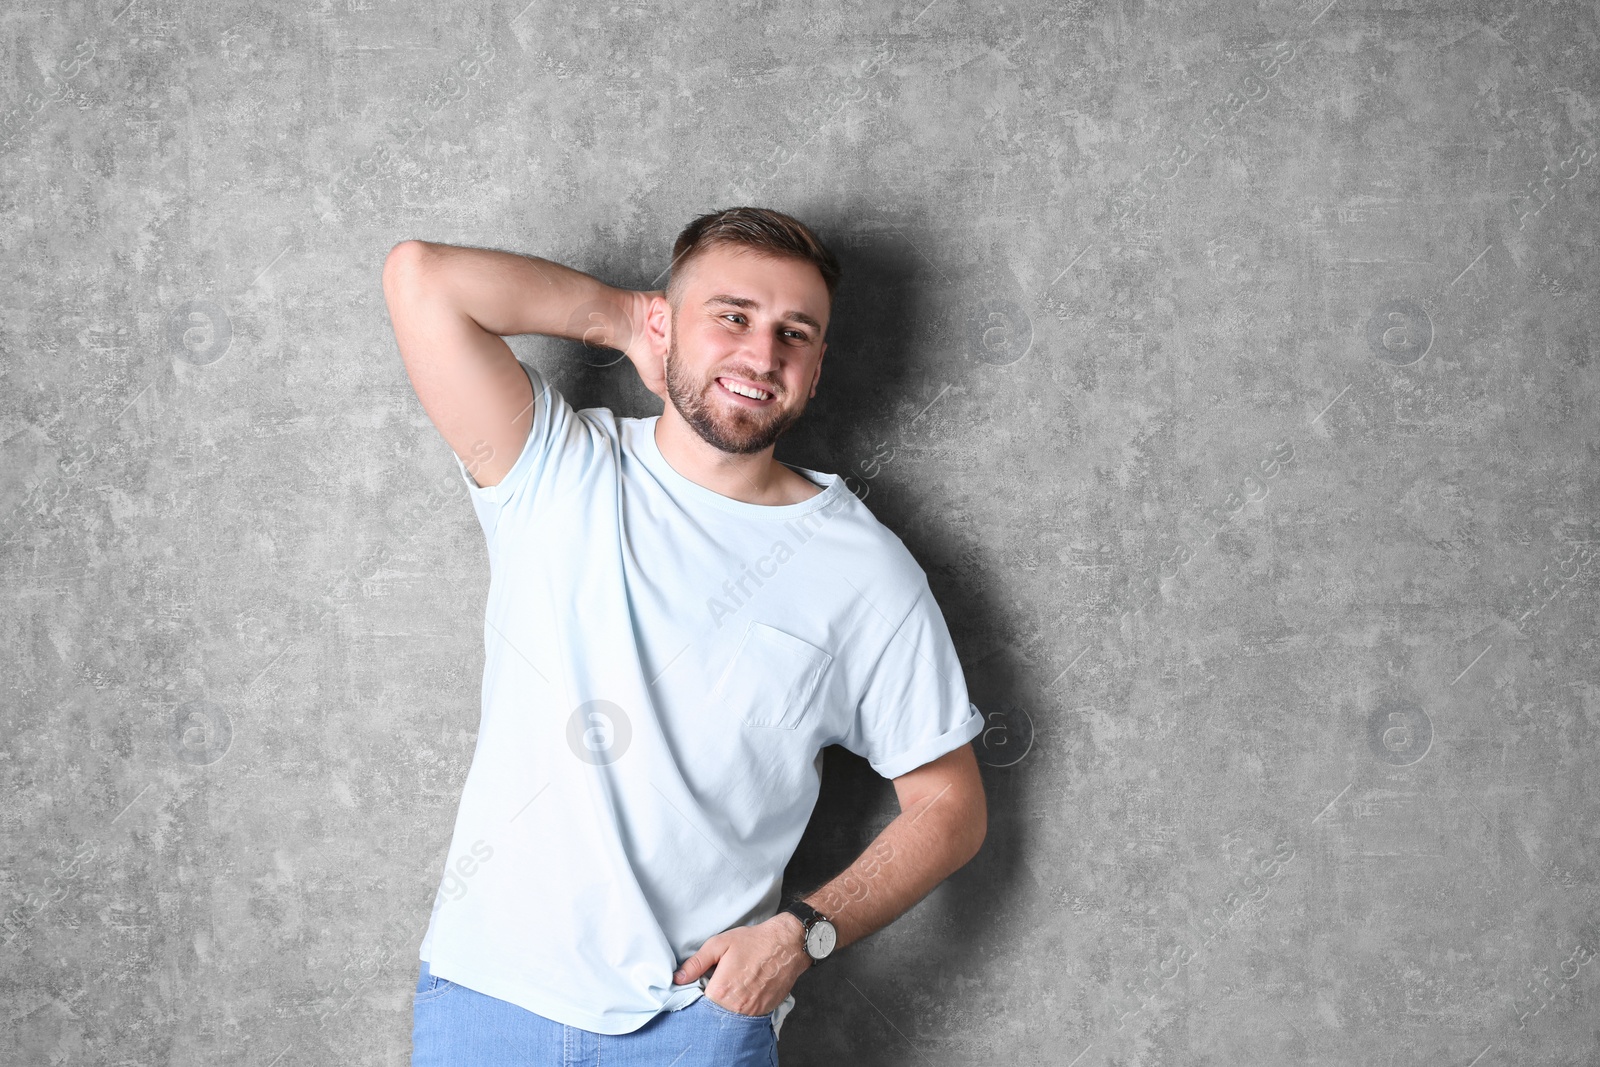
{"x":771,"y":679}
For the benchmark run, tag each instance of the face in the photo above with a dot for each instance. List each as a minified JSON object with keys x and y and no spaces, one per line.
{"x":747,"y":321}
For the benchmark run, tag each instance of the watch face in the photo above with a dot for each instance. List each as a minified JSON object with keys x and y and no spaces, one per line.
{"x":821,"y":939}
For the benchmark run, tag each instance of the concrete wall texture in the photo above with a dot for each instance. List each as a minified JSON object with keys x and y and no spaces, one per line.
{"x":1228,"y":367}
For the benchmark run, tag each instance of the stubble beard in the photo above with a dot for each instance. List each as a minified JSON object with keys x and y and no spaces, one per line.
{"x":728,"y":428}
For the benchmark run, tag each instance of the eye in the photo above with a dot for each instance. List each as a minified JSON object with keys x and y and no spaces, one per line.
{"x":798,"y":335}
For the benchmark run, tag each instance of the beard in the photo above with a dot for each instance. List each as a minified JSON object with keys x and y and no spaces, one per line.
{"x":726,"y":427}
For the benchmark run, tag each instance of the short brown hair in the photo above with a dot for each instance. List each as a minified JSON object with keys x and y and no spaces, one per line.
{"x":760,"y":229}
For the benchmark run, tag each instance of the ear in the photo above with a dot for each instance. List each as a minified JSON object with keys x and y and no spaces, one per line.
{"x":658,"y":324}
{"x":815,"y":378}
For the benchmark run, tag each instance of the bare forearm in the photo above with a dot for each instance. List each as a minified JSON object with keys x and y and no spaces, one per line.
{"x":922,"y":847}
{"x":934,"y":835}
{"x":509,"y":294}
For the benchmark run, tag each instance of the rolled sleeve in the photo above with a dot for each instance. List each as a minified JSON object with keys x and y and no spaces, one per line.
{"x":915,"y":707}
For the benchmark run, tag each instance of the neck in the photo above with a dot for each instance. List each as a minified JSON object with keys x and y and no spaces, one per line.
{"x":756,"y":478}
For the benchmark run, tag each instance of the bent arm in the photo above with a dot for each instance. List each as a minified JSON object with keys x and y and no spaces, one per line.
{"x":942,"y":823}
{"x":507,"y":294}
{"x":450,"y":306}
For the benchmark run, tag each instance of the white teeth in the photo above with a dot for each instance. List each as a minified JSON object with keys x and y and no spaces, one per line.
{"x":753,"y":394}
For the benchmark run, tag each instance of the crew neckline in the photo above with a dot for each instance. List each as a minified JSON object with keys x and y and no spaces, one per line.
{"x":650,"y":452}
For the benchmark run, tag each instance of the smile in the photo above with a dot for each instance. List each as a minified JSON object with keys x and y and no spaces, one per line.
{"x":744,"y":392}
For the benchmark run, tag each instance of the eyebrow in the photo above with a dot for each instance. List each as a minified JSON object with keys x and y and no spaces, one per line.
{"x":748,"y":304}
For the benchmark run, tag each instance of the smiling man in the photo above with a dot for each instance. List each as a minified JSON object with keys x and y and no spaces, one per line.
{"x":677,"y":625}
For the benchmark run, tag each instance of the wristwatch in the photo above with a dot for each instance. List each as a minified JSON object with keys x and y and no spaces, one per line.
{"x":820,"y":936}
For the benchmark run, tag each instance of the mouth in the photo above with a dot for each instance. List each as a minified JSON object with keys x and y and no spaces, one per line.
{"x":744,"y":393}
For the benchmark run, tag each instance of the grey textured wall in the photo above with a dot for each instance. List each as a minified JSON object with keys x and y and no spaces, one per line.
{"x":1228,"y":367}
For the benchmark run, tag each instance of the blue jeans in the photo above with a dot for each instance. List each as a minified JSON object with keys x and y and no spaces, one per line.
{"x":453,"y":1026}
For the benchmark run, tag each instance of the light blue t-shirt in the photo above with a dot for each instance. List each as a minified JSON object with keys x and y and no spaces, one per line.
{"x":663,"y":666}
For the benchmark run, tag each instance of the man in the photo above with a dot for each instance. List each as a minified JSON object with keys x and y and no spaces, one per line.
{"x":677,"y":625}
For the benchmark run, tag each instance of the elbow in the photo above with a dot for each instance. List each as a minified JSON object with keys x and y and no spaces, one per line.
{"x":403,"y":263}
{"x":974,"y":828}
{"x":980,"y":830}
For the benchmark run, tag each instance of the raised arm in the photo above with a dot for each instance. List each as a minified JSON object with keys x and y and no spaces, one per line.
{"x":450,"y":306}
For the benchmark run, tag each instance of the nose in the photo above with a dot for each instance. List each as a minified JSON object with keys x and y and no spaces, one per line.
{"x":761,"y":352}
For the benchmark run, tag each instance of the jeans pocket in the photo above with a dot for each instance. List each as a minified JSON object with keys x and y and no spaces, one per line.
{"x":430,"y":986}
{"x":767,"y":1018}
